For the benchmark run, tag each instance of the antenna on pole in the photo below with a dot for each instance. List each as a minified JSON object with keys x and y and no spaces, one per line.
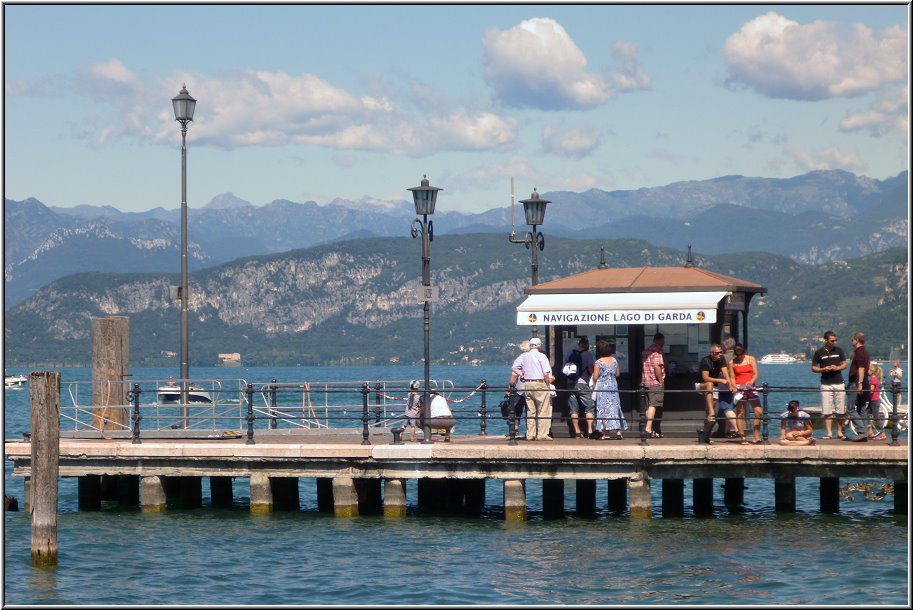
{"x":513,"y":232}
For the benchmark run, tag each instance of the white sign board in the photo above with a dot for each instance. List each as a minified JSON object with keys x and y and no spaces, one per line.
{"x":426,"y":293}
{"x":618,"y":316}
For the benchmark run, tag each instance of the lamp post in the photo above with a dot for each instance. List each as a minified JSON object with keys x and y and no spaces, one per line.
{"x":184,"y":106}
{"x":534,"y":209}
{"x":425,"y":197}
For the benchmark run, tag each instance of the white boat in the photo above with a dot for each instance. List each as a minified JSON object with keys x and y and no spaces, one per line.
{"x":171,"y":394}
{"x":14,"y":381}
{"x":778,"y":359}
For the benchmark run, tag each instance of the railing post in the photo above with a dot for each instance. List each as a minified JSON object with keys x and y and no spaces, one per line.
{"x":378,"y":394}
{"x":364,"y":415}
{"x":895,"y":428}
{"x":642,"y":396}
{"x":512,"y":422}
{"x":484,"y":410}
{"x":250,"y":414}
{"x":765,"y":414}
{"x":273,"y":403}
{"x":134,"y":396}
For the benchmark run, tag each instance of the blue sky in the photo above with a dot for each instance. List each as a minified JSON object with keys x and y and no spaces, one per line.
{"x":307,"y":102}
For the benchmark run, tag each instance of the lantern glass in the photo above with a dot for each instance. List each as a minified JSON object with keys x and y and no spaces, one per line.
{"x":425,"y":196}
{"x":184,"y":105}
{"x":534,"y":208}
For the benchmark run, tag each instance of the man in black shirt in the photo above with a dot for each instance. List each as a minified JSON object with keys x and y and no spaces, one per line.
{"x":713,"y":372}
{"x":829,"y":361}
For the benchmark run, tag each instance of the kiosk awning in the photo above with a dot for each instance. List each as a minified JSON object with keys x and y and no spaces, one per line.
{"x":620,"y":308}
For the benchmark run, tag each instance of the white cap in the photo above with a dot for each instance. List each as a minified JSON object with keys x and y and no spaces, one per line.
{"x":535,"y":342}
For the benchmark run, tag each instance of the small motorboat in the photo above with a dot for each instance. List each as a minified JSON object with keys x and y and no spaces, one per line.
{"x":778,"y":359}
{"x":170,"y":393}
{"x":14,"y":381}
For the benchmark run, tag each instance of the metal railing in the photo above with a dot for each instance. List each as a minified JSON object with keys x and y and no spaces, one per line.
{"x":235,"y":407}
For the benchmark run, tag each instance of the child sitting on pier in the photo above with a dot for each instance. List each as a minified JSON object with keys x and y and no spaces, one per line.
{"x":795,"y":426}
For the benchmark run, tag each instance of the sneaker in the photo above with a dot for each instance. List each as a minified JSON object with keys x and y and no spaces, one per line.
{"x":860,"y":438}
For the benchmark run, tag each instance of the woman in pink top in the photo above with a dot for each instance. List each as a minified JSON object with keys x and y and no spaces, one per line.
{"x":745,"y":371}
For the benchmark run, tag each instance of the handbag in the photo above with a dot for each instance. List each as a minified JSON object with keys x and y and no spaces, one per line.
{"x":505,"y":407}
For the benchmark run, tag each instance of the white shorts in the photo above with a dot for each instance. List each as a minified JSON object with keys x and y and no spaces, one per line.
{"x":833,"y":399}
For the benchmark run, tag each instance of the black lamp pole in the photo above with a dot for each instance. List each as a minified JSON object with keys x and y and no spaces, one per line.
{"x":425,"y":197}
{"x":184,"y":106}
{"x":534,"y":209}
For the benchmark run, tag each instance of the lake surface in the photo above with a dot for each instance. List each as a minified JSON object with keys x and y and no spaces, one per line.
{"x":226,"y":556}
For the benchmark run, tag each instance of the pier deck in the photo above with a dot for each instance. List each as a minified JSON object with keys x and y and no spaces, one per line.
{"x":279,"y":454}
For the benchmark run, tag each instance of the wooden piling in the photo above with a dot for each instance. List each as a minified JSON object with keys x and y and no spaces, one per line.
{"x":110,"y":367}
{"x":44,"y":397}
{"x":370,"y":498}
{"x":286,"y":495}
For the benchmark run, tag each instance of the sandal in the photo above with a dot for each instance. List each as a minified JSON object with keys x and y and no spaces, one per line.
{"x":826,"y":437}
{"x":841,"y":437}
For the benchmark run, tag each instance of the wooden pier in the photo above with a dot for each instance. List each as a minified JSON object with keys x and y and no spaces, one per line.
{"x":355,"y":478}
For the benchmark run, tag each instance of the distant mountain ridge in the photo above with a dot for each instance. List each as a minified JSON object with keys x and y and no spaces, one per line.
{"x":356,"y":300}
{"x":813,"y":218}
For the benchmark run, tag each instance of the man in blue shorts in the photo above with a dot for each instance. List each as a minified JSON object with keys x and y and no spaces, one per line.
{"x":580,"y":400}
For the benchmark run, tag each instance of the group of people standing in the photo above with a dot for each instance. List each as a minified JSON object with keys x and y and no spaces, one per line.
{"x":593,"y":398}
{"x":727,"y":380}
{"x":854,"y":407}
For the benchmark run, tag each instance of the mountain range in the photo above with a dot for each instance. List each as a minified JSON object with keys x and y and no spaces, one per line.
{"x":355,"y":301}
{"x":814,"y":218}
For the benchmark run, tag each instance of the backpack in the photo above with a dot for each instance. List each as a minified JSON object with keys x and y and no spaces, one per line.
{"x":573,"y":367}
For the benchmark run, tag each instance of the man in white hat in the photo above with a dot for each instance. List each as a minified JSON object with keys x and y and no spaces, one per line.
{"x":536,"y":372}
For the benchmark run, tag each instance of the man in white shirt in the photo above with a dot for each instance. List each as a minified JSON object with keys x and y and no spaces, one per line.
{"x":536,"y":372}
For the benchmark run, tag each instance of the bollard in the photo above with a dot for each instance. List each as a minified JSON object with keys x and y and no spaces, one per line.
{"x":765,"y":414}
{"x":364,"y":416}
{"x":484,"y":411}
{"x":134,"y":396}
{"x":250,"y":414}
{"x":397,"y":435}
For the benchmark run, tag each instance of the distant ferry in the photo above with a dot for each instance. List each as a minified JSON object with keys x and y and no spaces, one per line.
{"x":778,"y":359}
{"x":14,"y":381}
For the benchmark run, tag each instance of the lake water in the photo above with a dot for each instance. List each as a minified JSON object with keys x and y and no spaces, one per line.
{"x":226,"y":556}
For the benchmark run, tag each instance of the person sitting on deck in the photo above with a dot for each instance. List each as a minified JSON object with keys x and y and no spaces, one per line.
{"x":795,"y":426}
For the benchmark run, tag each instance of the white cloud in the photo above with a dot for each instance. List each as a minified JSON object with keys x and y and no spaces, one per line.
{"x":828,"y":158}
{"x":577,"y":142}
{"x":887,"y":114}
{"x":260,"y":108}
{"x":537,"y":64}
{"x":781,"y":58}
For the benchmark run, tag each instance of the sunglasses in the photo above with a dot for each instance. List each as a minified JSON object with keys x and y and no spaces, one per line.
{"x":715,"y":353}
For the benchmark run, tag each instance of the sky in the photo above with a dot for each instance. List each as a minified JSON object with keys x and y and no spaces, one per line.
{"x":318,"y":102}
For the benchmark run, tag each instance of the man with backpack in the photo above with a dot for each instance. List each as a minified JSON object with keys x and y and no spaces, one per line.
{"x":578,"y":368}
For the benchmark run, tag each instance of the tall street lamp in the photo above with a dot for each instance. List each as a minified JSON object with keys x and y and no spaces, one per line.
{"x":425,"y":197}
{"x":534,"y":208}
{"x":184,"y":106}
